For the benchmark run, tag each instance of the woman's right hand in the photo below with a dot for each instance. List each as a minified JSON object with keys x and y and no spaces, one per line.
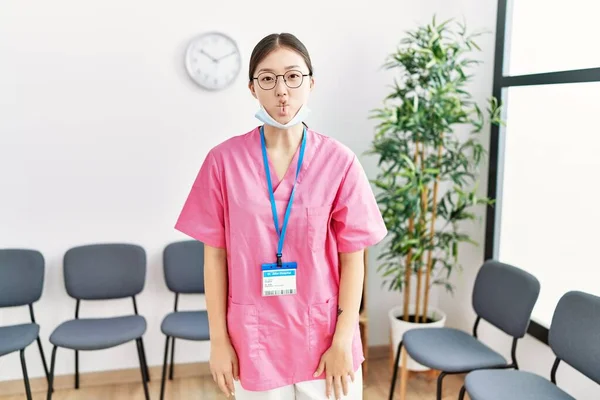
{"x":224,"y":365}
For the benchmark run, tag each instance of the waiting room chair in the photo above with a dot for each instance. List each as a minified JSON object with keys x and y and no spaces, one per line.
{"x":504,"y":296}
{"x":574,"y":337}
{"x":21,"y":283}
{"x":184,"y":274}
{"x":102,"y":272}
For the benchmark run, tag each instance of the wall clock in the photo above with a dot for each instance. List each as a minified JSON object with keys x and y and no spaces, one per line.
{"x":213,"y":60}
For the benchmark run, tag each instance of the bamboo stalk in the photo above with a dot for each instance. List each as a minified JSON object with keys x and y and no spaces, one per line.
{"x":424,"y":196}
{"x":407,"y":269}
{"x":407,"y":272}
{"x":431,"y":232}
{"x":419,"y":290}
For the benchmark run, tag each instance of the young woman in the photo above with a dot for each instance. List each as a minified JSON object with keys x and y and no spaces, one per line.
{"x":285,"y":214}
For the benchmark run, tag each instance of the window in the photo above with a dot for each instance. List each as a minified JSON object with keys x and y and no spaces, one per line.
{"x":547,"y":36}
{"x":549,"y":218}
{"x":544,"y":163}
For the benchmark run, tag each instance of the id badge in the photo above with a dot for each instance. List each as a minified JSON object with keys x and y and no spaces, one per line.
{"x":279,"y":281}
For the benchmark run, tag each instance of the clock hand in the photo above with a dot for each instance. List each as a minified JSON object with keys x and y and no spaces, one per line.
{"x":225,"y":56}
{"x":209,"y":56}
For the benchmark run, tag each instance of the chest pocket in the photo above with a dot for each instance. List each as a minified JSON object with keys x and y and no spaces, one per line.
{"x":318,"y":226}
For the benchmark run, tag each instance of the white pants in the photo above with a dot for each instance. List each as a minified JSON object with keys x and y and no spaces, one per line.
{"x":309,"y":390}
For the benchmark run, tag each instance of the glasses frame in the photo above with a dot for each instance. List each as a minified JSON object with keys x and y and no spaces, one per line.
{"x":283,"y":77}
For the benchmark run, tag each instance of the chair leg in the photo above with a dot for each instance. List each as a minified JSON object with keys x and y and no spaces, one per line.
{"x":439,"y":385}
{"x":142,"y":368}
{"x":76,"y":369}
{"x":51,"y":380}
{"x":39,"y":342}
{"x":461,"y":395}
{"x":164,"y":369}
{"x":395,"y":375}
{"x":25,"y":376}
{"x":172,"y":359}
{"x":145,"y":361}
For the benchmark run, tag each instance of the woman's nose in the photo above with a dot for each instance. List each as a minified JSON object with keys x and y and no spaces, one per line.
{"x":280,"y":86}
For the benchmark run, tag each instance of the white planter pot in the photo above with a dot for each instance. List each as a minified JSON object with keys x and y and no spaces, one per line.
{"x":399,"y":326}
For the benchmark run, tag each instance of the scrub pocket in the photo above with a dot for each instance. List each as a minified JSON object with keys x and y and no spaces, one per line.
{"x":322,"y":321}
{"x":318,"y":224}
{"x":242,"y":326}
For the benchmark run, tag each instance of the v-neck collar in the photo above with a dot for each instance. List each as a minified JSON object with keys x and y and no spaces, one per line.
{"x":291,"y":170}
{"x":287,"y":180}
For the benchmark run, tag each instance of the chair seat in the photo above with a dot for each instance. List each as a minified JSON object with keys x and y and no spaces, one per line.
{"x":190,"y":325}
{"x":17,"y":337}
{"x":98,"y":333}
{"x":450,"y":350}
{"x":511,"y":384}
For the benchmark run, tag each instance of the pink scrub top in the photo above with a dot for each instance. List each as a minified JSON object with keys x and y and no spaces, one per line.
{"x":279,"y":340}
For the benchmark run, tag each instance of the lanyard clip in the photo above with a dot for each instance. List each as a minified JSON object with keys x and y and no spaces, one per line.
{"x":279,"y":261}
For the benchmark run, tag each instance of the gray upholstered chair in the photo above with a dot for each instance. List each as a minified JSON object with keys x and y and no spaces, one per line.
{"x":504,"y":296}
{"x":184,"y":274}
{"x":102,"y":272}
{"x":575,"y":339}
{"x":21,"y":283}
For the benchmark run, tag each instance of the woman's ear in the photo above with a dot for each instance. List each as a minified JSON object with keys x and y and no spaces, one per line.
{"x":251,"y":87}
{"x":312,"y":83}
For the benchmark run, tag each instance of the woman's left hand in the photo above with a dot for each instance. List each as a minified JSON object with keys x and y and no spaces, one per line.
{"x":338,"y":366}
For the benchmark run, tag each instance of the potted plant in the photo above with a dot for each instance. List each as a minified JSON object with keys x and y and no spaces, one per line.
{"x":427,"y":142}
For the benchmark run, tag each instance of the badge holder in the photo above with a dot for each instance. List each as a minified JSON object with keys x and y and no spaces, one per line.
{"x":279,"y":279}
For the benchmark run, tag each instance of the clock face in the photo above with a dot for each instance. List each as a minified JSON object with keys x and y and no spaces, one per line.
{"x":213,"y":60}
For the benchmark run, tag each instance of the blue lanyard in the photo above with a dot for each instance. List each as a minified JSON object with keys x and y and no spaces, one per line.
{"x":281,"y":233}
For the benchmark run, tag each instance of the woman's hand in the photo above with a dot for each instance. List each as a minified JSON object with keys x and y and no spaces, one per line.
{"x":338,"y":365}
{"x":224,"y":365}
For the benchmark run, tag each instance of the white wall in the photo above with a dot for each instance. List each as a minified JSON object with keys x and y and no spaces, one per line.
{"x":102,"y":133}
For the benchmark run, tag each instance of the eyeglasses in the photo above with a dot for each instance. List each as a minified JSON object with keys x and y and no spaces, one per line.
{"x":268,"y":80}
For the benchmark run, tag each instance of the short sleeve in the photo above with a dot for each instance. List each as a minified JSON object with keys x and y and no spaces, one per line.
{"x":202,"y":216}
{"x":356,"y":217}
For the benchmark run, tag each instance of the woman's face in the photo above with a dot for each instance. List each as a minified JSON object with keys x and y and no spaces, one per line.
{"x":281,"y":101}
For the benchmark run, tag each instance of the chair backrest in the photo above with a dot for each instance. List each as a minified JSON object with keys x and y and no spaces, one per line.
{"x":21,"y":277}
{"x":504,"y":296}
{"x":105,"y":271}
{"x":575,"y":332}
{"x":184,"y":266}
